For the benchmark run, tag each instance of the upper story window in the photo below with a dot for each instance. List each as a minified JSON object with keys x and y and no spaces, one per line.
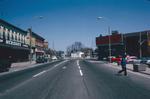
{"x":1,"y":31}
{"x":23,"y":39}
{"x":14,"y":36}
{"x":20,"y":37}
{"x":10,"y":35}
{"x":17,"y":37}
{"x":6,"y":33}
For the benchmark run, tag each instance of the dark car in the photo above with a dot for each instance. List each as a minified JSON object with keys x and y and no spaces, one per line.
{"x":5,"y":64}
{"x":41,"y":60}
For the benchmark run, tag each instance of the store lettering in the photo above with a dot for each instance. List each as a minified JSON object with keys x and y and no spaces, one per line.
{"x":13,"y":43}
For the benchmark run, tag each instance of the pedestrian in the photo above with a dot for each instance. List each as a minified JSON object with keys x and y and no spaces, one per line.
{"x":123,"y":65}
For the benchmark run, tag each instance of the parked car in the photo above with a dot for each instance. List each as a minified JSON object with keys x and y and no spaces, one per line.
{"x":143,"y":60}
{"x":41,"y":59}
{"x":146,"y":60}
{"x":116,"y":59}
{"x":130,"y":59}
{"x":5,"y":64}
{"x":54,"y":58}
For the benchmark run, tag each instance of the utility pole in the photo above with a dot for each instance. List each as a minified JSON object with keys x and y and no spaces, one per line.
{"x":140,"y":45}
{"x":109,"y":33}
{"x":30,"y":38}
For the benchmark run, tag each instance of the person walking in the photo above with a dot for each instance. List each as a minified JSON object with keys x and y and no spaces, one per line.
{"x":123,"y":65}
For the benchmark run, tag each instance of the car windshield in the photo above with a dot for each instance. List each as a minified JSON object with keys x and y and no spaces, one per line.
{"x":74,"y":49}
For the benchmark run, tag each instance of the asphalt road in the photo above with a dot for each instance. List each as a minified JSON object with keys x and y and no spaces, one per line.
{"x":75,"y":79}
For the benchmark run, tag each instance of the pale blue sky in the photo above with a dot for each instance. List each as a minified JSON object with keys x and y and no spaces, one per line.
{"x":67,"y":21}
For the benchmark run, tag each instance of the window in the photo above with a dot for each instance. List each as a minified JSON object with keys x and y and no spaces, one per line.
{"x":20,"y":37}
{"x":14,"y":36}
{"x":10,"y":35}
{"x":17,"y":36}
{"x":1,"y":31}
{"x":6,"y":33}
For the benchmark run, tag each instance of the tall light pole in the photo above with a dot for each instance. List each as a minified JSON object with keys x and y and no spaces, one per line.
{"x":30,"y":39}
{"x":30,"y":35}
{"x":109,"y":39}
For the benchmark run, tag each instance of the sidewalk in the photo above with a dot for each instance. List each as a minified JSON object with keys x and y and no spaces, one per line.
{"x":21,"y":65}
{"x":130,"y":67}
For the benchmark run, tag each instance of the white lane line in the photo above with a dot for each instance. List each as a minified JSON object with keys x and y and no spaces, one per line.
{"x":38,"y":74}
{"x":64,"y":67}
{"x":77,"y":62}
{"x":81,"y":72}
{"x":79,"y":68}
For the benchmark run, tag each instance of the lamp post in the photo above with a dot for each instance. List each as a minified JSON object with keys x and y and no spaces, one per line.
{"x":30,"y":39}
{"x":30,"y":43}
{"x":109,"y":39}
{"x":141,"y":43}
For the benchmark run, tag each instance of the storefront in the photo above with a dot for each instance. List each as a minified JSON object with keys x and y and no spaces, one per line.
{"x":13,"y":42}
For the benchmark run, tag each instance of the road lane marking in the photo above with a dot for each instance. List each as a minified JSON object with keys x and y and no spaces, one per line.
{"x":81,"y":72}
{"x":64,"y":67}
{"x":79,"y":68}
{"x":77,"y":62}
{"x":38,"y":74}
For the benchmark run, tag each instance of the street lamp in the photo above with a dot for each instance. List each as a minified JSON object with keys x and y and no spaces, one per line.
{"x":109,"y":37}
{"x":30,"y":35}
{"x":141,"y":43}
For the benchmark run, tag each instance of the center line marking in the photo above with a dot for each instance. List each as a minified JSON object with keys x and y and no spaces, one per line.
{"x":79,"y":68}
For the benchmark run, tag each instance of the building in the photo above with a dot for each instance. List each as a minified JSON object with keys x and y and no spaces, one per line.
{"x":18,"y":44}
{"x":13,"y":42}
{"x":37,"y":44}
{"x":77,"y":55}
{"x":133,"y":44}
{"x":102,"y":43}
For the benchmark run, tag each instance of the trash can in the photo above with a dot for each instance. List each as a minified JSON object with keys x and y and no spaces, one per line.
{"x":135,"y":67}
{"x":139,"y":67}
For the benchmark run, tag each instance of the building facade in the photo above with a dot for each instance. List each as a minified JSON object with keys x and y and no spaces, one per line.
{"x":133,"y":44}
{"x":13,"y":42}
{"x":19,"y":45}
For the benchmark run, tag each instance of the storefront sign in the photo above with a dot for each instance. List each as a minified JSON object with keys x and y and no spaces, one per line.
{"x":13,"y":43}
{"x":25,"y":45}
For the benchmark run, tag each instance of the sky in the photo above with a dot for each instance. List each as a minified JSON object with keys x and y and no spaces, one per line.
{"x":67,"y":21}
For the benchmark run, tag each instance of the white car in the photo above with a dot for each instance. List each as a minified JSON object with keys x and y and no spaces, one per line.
{"x":54,"y":58}
{"x":131,"y":59}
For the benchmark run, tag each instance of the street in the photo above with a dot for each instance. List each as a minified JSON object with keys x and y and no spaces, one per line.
{"x":75,"y":79}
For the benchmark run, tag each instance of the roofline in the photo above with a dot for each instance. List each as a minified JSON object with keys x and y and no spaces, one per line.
{"x":38,"y":36}
{"x":1,"y":20}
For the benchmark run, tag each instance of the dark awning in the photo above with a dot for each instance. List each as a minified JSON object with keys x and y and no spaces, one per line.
{"x":13,"y":47}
